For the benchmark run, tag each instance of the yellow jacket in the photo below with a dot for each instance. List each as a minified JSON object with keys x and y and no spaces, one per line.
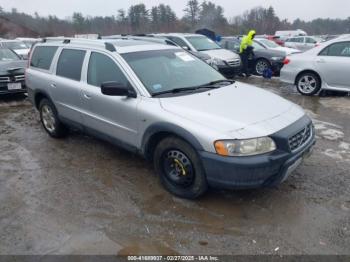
{"x":247,"y":40}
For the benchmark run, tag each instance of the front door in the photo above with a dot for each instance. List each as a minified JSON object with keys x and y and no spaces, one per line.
{"x":113,"y":116}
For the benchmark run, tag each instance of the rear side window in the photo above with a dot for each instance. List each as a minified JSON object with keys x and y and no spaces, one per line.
{"x":337,"y":49}
{"x":310,"y":40}
{"x":70,"y":64}
{"x":42,"y":57}
{"x":103,"y":69}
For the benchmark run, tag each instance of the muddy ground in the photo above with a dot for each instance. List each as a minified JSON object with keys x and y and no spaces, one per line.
{"x":83,"y":196}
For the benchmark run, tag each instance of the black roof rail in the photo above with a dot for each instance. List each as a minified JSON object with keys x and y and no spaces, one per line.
{"x":110,"y":47}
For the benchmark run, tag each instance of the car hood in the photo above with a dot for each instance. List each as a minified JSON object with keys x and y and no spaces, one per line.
{"x":222,"y":54}
{"x":6,"y":66}
{"x":287,"y":50}
{"x":22,"y":51}
{"x":238,"y":110}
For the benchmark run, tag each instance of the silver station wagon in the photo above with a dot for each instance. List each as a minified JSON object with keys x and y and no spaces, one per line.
{"x":199,"y":128}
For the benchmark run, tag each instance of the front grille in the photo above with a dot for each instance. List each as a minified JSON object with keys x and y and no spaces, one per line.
{"x":4,"y":79}
{"x":10,"y":79}
{"x":234,"y":63}
{"x":299,"y":139}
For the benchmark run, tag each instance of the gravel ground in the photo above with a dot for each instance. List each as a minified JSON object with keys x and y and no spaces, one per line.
{"x":80,"y":195}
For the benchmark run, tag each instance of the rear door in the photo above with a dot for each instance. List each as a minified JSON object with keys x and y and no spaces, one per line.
{"x":66,"y":84}
{"x":113,"y":116}
{"x":333,"y":64}
{"x":300,"y":43}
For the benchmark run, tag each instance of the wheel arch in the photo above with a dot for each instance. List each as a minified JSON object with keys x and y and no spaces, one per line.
{"x":38,"y":96}
{"x":155,"y":133}
{"x":307,"y":71}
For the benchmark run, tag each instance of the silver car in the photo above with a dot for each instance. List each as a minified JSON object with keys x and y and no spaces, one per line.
{"x":302,"y":43}
{"x":324,"y":67}
{"x":197,"y":127}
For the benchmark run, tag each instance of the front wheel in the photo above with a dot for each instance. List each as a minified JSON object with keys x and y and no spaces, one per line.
{"x":179,"y":168}
{"x":308,"y":84}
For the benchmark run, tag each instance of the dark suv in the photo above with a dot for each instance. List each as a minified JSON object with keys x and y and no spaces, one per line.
{"x":11,"y":72}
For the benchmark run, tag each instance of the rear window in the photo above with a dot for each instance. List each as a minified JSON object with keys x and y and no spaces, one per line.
{"x":42,"y":57}
{"x":70,"y":64}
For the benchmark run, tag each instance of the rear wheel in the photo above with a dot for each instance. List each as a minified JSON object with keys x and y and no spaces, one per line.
{"x":179,"y":168}
{"x":261,"y":65}
{"x":308,"y":84}
{"x":49,"y":119}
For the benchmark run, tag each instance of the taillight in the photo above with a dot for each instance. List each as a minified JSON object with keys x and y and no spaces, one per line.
{"x":286,"y":61}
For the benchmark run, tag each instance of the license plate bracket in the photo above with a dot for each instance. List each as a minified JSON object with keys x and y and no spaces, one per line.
{"x":14,"y":86}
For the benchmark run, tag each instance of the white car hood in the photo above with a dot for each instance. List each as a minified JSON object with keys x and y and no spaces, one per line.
{"x":22,"y":51}
{"x":240,"y":110}
{"x":287,"y":50}
{"x":222,"y":54}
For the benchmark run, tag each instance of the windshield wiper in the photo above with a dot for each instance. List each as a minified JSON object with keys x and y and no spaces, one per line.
{"x":175,"y":90}
{"x":219,"y":82}
{"x":210,"y":85}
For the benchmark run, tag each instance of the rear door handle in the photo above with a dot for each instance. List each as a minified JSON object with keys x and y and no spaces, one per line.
{"x":53,"y":85}
{"x":321,"y":61}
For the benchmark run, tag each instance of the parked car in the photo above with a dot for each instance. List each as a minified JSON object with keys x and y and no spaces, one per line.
{"x":28,"y":41}
{"x":275,"y":39}
{"x":285,"y":34}
{"x":227,"y":62}
{"x":326,"y":66}
{"x":302,"y":43}
{"x":197,"y":127}
{"x":19,"y":47}
{"x":160,"y":40}
{"x":268,"y":44}
{"x":11,"y":72}
{"x":263,"y":58}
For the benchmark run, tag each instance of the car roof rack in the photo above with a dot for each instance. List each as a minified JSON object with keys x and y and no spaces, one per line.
{"x":91,"y":42}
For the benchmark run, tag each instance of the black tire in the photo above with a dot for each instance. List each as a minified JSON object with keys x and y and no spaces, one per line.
{"x":311,"y":87}
{"x":190,"y":180}
{"x":263,"y":61}
{"x":58,"y":130}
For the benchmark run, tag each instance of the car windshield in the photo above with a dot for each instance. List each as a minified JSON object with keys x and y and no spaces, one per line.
{"x":202,"y":43}
{"x":165,"y":70}
{"x":268,"y":43}
{"x":15,"y":45}
{"x":7,"y":55}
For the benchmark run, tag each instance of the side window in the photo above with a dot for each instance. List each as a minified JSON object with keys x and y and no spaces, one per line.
{"x":310,"y":40}
{"x":104,"y":69}
{"x":42,"y":57}
{"x":299,"y":40}
{"x":337,"y":49}
{"x":70,"y":64}
{"x":179,"y":41}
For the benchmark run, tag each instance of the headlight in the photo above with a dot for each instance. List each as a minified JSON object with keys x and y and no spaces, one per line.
{"x":247,"y":147}
{"x":217,"y":62}
{"x":277,"y":58}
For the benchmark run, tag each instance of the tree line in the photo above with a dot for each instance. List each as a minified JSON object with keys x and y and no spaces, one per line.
{"x":162,"y":18}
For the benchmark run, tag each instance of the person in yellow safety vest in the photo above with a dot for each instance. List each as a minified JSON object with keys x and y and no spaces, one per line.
{"x":245,"y":50}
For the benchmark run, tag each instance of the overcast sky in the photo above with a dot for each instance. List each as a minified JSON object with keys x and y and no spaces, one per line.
{"x":290,"y":9}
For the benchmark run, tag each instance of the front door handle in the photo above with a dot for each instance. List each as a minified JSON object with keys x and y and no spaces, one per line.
{"x":320,"y":61}
{"x":53,"y":85}
{"x":87,"y":96}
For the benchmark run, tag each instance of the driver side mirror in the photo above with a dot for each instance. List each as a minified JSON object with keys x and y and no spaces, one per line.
{"x":117,"y":89}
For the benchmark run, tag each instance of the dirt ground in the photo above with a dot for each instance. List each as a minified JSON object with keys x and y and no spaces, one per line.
{"x":80,"y":195}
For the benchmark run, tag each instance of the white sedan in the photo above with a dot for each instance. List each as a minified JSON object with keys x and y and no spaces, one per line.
{"x":326,"y":66}
{"x":272,"y":45}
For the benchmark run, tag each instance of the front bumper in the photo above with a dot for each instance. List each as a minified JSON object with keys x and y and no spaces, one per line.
{"x":230,"y":71}
{"x":258,"y":171}
{"x":4,"y":88}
